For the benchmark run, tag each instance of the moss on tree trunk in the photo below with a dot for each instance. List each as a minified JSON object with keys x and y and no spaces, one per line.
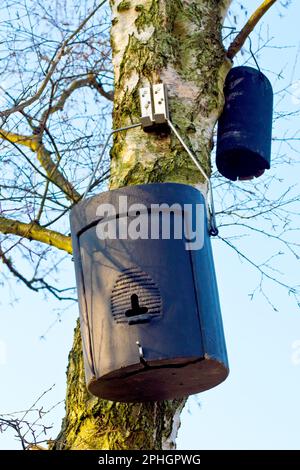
{"x":177,"y":42}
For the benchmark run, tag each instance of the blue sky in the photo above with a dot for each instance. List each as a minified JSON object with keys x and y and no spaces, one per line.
{"x":258,"y":405}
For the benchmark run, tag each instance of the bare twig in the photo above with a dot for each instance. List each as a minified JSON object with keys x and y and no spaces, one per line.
{"x":28,"y":425}
{"x":55,"y":61}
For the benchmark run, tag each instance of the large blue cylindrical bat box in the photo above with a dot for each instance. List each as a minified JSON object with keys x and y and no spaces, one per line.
{"x":149,"y":308}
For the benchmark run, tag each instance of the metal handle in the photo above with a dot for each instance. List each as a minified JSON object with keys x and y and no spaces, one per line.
{"x":213,"y":230}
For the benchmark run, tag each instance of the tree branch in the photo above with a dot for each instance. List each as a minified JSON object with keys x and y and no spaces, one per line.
{"x":33,"y":231}
{"x":8,"y":262}
{"x":28,"y":141}
{"x":35,"y":284}
{"x":57,"y":57}
{"x":98,"y":86}
{"x":90,"y":80}
{"x":240,"y":39}
{"x":44,"y":157}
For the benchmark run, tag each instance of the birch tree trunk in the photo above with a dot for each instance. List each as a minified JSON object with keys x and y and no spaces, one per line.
{"x":177,"y":42}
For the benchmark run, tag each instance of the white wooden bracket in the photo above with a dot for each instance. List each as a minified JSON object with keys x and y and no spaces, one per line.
{"x":154,"y":106}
